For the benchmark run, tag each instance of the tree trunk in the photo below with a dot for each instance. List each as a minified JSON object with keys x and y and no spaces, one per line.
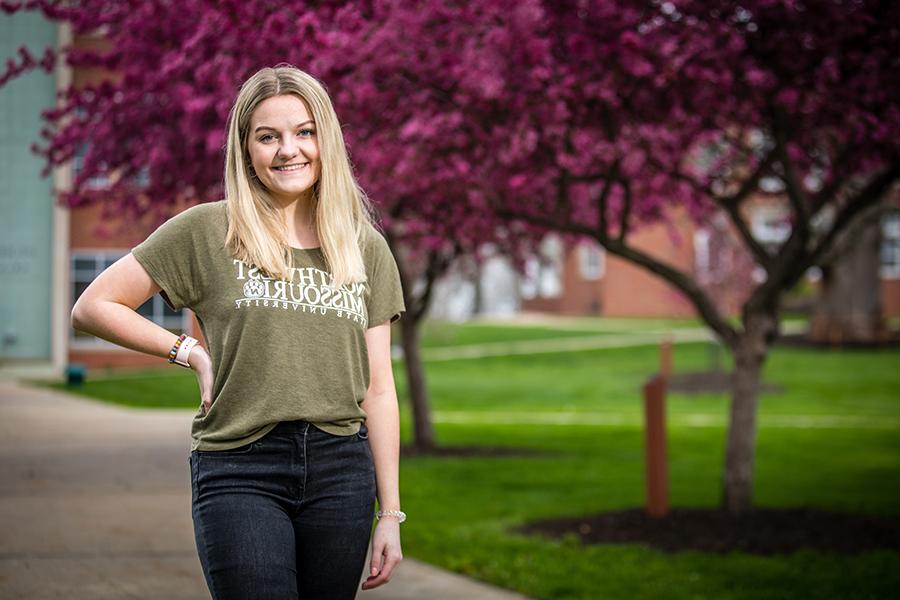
{"x":423,"y":430}
{"x":750,"y":353}
{"x":478,"y":302}
{"x":849,"y":305}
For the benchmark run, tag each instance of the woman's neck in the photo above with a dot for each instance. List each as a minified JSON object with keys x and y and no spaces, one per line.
{"x":300,"y":224}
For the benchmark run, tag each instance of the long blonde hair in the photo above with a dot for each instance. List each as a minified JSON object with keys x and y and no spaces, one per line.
{"x":341,"y":209}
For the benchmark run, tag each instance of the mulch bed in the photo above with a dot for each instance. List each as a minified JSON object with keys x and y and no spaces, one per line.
{"x":800,"y":340}
{"x":709,"y":382}
{"x":763,"y":531}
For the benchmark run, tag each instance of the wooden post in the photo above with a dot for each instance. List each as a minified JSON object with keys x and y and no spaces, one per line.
{"x":665,"y":357}
{"x":655,"y":447}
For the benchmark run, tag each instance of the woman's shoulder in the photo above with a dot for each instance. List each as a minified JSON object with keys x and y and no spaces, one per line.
{"x":373,"y":239}
{"x":197,"y":218}
{"x":190,"y":221}
{"x":204,"y":210}
{"x":198,"y":212}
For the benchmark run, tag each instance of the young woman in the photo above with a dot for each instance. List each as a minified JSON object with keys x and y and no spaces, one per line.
{"x":295,"y":290}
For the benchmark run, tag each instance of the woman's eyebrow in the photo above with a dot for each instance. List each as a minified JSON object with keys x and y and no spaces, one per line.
{"x":273,"y":129}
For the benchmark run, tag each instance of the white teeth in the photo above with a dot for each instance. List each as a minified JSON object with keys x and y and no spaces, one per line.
{"x":290,"y":167}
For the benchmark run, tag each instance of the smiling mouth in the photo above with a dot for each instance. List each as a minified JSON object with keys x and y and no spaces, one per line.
{"x":292,"y":167}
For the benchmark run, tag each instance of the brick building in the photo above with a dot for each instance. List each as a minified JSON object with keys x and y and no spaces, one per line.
{"x":583,"y":280}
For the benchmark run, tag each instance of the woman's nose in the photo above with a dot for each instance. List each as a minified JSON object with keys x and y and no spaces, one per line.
{"x":288,"y":148}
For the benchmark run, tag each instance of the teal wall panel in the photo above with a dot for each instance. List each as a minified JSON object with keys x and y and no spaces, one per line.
{"x":26,"y":199}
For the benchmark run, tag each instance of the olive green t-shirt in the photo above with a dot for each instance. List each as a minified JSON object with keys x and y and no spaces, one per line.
{"x":281,"y":350}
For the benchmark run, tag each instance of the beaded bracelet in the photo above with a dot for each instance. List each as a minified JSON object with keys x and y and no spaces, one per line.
{"x":182,"y":349}
{"x":174,"y":349}
{"x":401,"y":516}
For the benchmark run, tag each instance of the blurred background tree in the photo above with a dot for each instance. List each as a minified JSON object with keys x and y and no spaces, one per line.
{"x":848,"y":303}
{"x":610,"y":116}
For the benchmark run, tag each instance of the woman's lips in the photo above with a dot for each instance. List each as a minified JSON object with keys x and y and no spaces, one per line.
{"x":293,"y":168}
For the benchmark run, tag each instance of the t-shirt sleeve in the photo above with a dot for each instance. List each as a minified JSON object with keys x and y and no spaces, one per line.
{"x":166,"y":256}
{"x":386,"y":297}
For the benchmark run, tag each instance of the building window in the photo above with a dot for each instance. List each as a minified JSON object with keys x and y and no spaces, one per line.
{"x":591,"y":263}
{"x":543,"y":273}
{"x":85,"y":267}
{"x":528,"y":283}
{"x":890,"y":246}
{"x":702,"y":262}
{"x":98,"y":182}
{"x":770,"y":225}
{"x":141,"y":179}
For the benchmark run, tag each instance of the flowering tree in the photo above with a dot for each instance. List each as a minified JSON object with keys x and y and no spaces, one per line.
{"x":594,"y":118}
{"x":707,"y":106}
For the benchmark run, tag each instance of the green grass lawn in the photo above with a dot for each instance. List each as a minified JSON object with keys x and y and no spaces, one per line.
{"x":443,"y":335}
{"x":436,"y":334}
{"x":584,"y":409}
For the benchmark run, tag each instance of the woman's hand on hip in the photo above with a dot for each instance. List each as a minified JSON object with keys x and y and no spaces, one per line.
{"x":386,"y":554}
{"x":201,"y":363}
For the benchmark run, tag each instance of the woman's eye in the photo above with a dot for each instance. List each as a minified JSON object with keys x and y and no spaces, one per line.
{"x":306,"y":133}
{"x":266,"y":137}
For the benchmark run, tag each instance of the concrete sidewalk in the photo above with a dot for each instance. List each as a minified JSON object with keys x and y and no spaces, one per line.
{"x":95,"y":504}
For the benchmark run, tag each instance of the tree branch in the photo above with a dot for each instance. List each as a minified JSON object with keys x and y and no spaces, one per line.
{"x":589,"y":178}
{"x":701,"y":300}
{"x":795,"y":258}
{"x":732,"y":205}
{"x":822,"y":197}
{"x":795,"y":193}
{"x":437,"y":266}
{"x":603,"y":200}
{"x":626,"y":213}
{"x":869,"y":195}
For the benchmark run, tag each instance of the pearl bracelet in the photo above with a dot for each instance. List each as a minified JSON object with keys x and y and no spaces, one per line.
{"x":401,"y":516}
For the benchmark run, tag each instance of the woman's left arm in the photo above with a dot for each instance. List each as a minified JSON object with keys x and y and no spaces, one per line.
{"x":383,"y":422}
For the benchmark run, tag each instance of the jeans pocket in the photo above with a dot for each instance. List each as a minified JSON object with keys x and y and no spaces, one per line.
{"x":363,"y":432}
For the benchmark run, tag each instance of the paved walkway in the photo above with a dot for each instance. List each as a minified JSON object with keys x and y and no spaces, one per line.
{"x":95,"y":504}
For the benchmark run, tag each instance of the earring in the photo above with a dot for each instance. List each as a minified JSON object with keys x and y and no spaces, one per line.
{"x":252,"y":173}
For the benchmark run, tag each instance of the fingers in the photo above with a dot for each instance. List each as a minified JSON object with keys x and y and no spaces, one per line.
{"x":377,"y":557}
{"x":391,"y":561}
{"x":204,"y":380}
{"x":382,"y":568}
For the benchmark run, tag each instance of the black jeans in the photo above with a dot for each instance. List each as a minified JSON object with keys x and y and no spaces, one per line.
{"x":287,"y":516}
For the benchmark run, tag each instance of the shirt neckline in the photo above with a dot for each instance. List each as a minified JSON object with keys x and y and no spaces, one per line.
{"x":307,"y":250}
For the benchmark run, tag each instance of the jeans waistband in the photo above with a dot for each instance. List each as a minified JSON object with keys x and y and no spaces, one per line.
{"x":292,"y":426}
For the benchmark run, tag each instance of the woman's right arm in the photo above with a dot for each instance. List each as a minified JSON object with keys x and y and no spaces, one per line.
{"x":107,"y":309}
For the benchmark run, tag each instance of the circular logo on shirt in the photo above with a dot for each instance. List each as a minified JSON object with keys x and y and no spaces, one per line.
{"x":254,"y":288}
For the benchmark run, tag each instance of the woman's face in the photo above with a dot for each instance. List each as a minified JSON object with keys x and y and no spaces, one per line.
{"x":283,"y":148}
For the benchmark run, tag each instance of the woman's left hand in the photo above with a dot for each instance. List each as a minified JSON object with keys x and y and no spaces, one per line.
{"x":386,"y":554}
